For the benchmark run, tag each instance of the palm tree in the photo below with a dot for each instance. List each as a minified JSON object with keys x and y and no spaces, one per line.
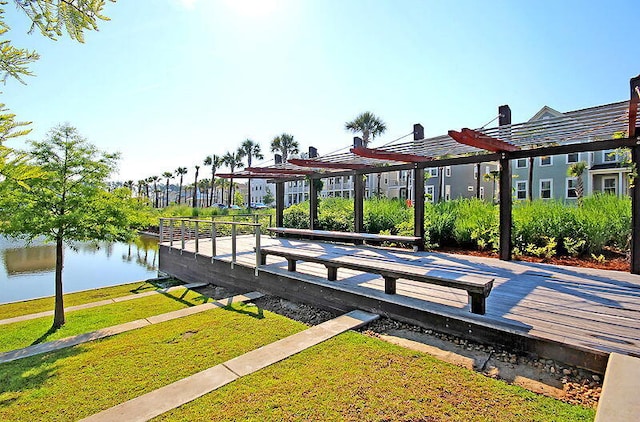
{"x":141,"y":184}
{"x":154,"y":180}
{"x":215,"y":162}
{"x":180,"y":171}
{"x":232,"y":160}
{"x":576,"y":170}
{"x":368,"y":124}
{"x":285,"y":145}
{"x":203,"y":186}
{"x":195,"y":188}
{"x":167,"y":175}
{"x":250,"y":149}
{"x":129,"y":184}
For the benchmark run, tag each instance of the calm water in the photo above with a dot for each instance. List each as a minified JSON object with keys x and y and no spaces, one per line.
{"x":28,"y":271}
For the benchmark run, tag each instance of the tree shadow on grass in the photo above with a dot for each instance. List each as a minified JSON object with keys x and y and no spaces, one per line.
{"x":45,"y":336}
{"x":252,"y":311}
{"x":198,"y":300}
{"x":30,"y":373}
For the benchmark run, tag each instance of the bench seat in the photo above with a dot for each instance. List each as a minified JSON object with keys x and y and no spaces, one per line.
{"x":477,"y":287}
{"x":415,"y":241}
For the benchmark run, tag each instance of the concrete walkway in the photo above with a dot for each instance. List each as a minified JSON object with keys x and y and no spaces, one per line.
{"x":121,"y":328}
{"x":100,"y":303}
{"x":619,"y":401}
{"x":187,"y":389}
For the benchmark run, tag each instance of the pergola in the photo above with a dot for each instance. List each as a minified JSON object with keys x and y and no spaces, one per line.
{"x":598,"y":128}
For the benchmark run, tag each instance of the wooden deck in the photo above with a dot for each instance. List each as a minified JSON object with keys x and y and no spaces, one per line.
{"x":575,"y":315}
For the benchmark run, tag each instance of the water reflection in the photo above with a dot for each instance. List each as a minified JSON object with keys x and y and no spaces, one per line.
{"x":28,"y":270}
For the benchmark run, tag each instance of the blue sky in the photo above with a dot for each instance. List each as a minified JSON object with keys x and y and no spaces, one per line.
{"x":168,"y":82}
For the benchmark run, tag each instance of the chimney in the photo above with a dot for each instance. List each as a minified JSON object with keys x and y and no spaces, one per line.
{"x":277,"y":158}
{"x":313,"y":152}
{"x":418,"y":132}
{"x":357,"y":142}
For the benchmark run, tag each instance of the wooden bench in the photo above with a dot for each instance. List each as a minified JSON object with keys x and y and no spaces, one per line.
{"x":477,"y":287}
{"x":358,"y":238}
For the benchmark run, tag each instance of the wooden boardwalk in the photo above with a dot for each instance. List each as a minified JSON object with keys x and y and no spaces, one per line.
{"x":591,"y":311}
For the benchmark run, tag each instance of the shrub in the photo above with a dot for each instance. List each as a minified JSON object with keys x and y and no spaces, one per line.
{"x":382,"y":214}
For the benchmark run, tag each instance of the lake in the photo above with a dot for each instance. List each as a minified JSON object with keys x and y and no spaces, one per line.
{"x":27,"y":271}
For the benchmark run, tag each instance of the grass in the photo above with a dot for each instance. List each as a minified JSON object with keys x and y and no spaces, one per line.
{"x":354,"y":377}
{"x":76,"y":382}
{"x":26,"y":333}
{"x":350,"y":377}
{"x":27,"y":307}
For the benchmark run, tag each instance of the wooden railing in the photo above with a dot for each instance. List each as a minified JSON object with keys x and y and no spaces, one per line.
{"x":178,"y":231}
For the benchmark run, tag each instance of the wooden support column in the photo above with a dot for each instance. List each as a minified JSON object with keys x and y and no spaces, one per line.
{"x":279,"y":203}
{"x":313,"y":204}
{"x":358,"y":202}
{"x":418,"y":206}
{"x":634,"y":132}
{"x":505,"y":208}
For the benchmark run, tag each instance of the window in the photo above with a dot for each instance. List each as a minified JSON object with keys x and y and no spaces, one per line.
{"x":573,"y":158}
{"x":545,"y":161}
{"x":475,"y":172}
{"x":521,"y":163}
{"x":609,"y":156}
{"x":481,"y":192}
{"x":572,"y":182}
{"x":546,"y":186}
{"x":609,"y":185}
{"x":521,"y":189}
{"x":433,"y":172}
{"x":447,"y":171}
{"x":447,"y":193}
{"x":430,"y":193}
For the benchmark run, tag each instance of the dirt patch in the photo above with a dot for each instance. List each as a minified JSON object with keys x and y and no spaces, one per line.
{"x":542,"y":376}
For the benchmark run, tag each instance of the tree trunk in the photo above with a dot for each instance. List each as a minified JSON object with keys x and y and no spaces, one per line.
{"x":230,"y":193}
{"x":58,"y":316}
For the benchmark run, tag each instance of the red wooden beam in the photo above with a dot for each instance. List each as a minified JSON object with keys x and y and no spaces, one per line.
{"x":482,"y":141}
{"x":277,"y":170}
{"x":253,"y":176}
{"x":326,"y":165}
{"x":388,"y":155}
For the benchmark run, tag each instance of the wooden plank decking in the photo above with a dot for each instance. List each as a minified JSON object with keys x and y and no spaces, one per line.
{"x":592,"y":311}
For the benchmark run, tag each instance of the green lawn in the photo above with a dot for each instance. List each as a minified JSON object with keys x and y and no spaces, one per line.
{"x":85,"y":379}
{"x":358,"y":378}
{"x":26,"y":333}
{"x":46,"y":304}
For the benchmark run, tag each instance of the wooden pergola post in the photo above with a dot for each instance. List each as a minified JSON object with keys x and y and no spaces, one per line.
{"x":358,"y":202}
{"x":506,"y":202}
{"x":418,"y":205}
{"x":635,"y":191}
{"x":313,"y":204}
{"x":279,"y":203}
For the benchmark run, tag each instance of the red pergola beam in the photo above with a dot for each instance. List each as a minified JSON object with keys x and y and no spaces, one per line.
{"x":327,"y":165}
{"x":277,"y":170}
{"x":387,"y":155}
{"x":482,"y":141}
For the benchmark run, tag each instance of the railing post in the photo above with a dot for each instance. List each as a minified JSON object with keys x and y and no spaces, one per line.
{"x":182,"y":226}
{"x":161,"y":228}
{"x":258,"y":253}
{"x":171,"y":222}
{"x":233,"y":245}
{"x":197,"y":237}
{"x":214,"y":234}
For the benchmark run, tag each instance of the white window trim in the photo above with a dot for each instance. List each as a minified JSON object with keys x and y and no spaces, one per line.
{"x":615,"y":184}
{"x":550,"y":188}
{"x":573,"y":162}
{"x":546,"y":165}
{"x":605,"y":155}
{"x":566,"y":188}
{"x":430,"y":190}
{"x":526,"y":188}
{"x":447,"y":171}
{"x":526,"y":163}
{"x":433,"y":171}
{"x":481,"y":192}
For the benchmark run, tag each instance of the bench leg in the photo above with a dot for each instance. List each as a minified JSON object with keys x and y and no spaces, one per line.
{"x":332,"y":273}
{"x":390,"y":285}
{"x":291,"y":264}
{"x":263,"y":259}
{"x":477,"y":303}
